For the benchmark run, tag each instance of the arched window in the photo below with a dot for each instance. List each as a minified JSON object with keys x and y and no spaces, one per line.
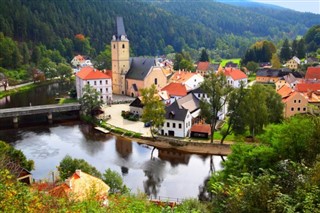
{"x":114,"y":46}
{"x":123,"y":46}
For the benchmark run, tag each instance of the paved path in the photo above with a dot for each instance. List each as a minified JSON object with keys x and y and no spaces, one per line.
{"x":16,"y":86}
{"x":118,"y":121}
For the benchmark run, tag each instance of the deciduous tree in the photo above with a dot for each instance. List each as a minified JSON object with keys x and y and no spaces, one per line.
{"x":90,"y":100}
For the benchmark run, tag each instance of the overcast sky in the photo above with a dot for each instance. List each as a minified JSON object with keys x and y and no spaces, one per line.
{"x":312,"y":6}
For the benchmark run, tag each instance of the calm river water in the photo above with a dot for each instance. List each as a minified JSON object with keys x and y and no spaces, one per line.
{"x":165,"y":173}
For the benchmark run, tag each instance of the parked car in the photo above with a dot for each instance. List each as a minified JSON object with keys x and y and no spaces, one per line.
{"x":147,"y":124}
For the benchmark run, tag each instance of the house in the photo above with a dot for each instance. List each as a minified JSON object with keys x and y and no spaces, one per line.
{"x":200,"y":94}
{"x":80,"y":186}
{"x":265,"y":65}
{"x":205,"y":68}
{"x":294,"y":102}
{"x":308,"y":86}
{"x":267,"y":75}
{"x":97,"y":79}
{"x":189,"y":79}
{"x":200,"y":131}
{"x":311,"y":60}
{"x":129,"y":75}
{"x":293,"y":63}
{"x":143,"y":73}
{"x":235,"y":77}
{"x":136,"y":106}
{"x":313,"y":73}
{"x":180,"y":115}
{"x":77,"y":60}
{"x":175,"y":91}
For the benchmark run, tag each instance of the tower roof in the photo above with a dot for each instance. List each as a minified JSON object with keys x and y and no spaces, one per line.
{"x":120,"y":27}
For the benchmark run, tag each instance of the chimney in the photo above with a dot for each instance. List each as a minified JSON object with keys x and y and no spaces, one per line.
{"x":78,"y":172}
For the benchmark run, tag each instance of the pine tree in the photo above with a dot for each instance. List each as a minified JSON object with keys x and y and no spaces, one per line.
{"x":285,"y":53}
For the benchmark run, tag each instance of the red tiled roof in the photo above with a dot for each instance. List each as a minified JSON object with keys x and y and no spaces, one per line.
{"x":90,"y":73}
{"x":175,"y":89}
{"x":284,"y":91}
{"x":235,"y":74}
{"x":313,"y":73}
{"x":307,"y":87}
{"x":203,"y":65}
{"x":181,"y":76}
{"x":203,"y":128}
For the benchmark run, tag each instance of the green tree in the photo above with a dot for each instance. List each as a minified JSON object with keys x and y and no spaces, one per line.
{"x":285,"y":52}
{"x":168,"y":49}
{"x":204,"y":55}
{"x":301,"y":50}
{"x":69,"y":165}
{"x":257,"y":112}
{"x":294,"y":46}
{"x":103,"y":60}
{"x":64,"y":71}
{"x":114,"y":180}
{"x":275,"y":61}
{"x":252,"y":66}
{"x":274,"y":105}
{"x":153,"y":109}
{"x":90,"y":100}
{"x":218,"y":91}
{"x":48,"y":67}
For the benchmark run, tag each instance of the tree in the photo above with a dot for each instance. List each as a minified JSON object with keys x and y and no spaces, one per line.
{"x":294,"y":47}
{"x":274,"y":105}
{"x":3,"y":81}
{"x":236,"y":113}
{"x":168,"y":49}
{"x":285,"y":52}
{"x":90,"y":100}
{"x":114,"y":180}
{"x":252,"y":66}
{"x":153,"y":108}
{"x":204,"y":55}
{"x":103,"y":60}
{"x":48,"y":67}
{"x":69,"y":165}
{"x":64,"y":71}
{"x":217,"y":90}
{"x":257,"y":112}
{"x":275,"y":61}
{"x":301,"y":50}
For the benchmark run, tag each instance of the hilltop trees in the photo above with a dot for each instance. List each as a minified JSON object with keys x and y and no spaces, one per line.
{"x":259,"y":52}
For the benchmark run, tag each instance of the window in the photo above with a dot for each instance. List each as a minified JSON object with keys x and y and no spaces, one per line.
{"x":123,"y":46}
{"x":292,"y":109}
{"x":199,"y":95}
{"x":168,"y":124}
{"x":107,"y":90}
{"x":298,"y":108}
{"x":101,"y":97}
{"x":88,"y":82}
{"x":304,"y":109}
{"x":100,"y":82}
{"x":106,"y":81}
{"x":95,"y":83}
{"x":295,"y":101}
{"x":155,"y":81}
{"x":180,"y":126}
{"x":101,"y":90}
{"x":114,"y":46}
{"x":174,"y":125}
{"x":299,"y":101}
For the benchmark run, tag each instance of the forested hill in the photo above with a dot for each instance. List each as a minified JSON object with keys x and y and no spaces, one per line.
{"x":150,"y":25}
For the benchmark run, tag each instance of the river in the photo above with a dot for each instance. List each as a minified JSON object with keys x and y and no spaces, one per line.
{"x":165,"y":173}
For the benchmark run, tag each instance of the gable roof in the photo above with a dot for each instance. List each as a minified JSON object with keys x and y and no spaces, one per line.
{"x":205,"y":66}
{"x":313,"y":73}
{"x":140,"y":67}
{"x":137,"y":103}
{"x":174,"y":112}
{"x":181,"y":76}
{"x":308,"y":86}
{"x":235,"y":74}
{"x":79,"y":185}
{"x":285,"y":91}
{"x":268,"y":72}
{"x":203,"y":128}
{"x":175,"y":89}
{"x":90,"y":73}
{"x":189,"y":102}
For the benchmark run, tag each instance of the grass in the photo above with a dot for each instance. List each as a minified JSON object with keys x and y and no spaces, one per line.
{"x":67,"y":100}
{"x":251,"y":77}
{"x":218,"y":136}
{"x":120,"y":130}
{"x":234,"y":60}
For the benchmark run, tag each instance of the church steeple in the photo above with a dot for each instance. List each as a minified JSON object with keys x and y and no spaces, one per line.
{"x":120,"y":58}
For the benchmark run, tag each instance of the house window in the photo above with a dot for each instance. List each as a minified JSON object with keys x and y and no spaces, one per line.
{"x":174,"y":125}
{"x":168,"y":124}
{"x":155,"y":81}
{"x":304,"y":109}
{"x":107,"y":89}
{"x":299,"y":101}
{"x":88,"y":82}
{"x":123,"y":46}
{"x":100,"y":82}
{"x":114,"y":46}
{"x":95,"y":83}
{"x":295,"y":101}
{"x":101,"y":90}
{"x":292,"y":109}
{"x":180,"y":126}
{"x":101,"y":97}
{"x":106,"y":81}
{"x":298,"y":108}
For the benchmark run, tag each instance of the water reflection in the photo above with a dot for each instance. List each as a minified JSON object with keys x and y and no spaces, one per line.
{"x":156,"y":172}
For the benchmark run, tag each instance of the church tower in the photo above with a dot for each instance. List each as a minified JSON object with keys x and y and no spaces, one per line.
{"x":120,"y":58}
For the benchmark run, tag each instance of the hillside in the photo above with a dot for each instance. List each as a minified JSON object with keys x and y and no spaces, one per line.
{"x":151,"y":25}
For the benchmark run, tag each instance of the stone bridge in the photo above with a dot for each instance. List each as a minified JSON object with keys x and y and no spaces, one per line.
{"x":34,"y":110}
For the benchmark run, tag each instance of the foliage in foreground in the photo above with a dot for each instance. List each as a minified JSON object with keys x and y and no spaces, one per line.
{"x":281,"y":174}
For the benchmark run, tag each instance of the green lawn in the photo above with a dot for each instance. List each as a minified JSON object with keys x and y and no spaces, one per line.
{"x":224,"y":61}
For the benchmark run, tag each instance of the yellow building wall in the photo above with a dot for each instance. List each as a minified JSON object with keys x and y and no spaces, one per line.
{"x":295,"y":105}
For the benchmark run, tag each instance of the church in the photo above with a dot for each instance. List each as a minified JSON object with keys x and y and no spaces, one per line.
{"x":130,"y":74}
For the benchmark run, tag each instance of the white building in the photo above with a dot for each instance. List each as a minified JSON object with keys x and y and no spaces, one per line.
{"x":189,"y":79}
{"x":235,"y":77}
{"x":97,"y":79}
